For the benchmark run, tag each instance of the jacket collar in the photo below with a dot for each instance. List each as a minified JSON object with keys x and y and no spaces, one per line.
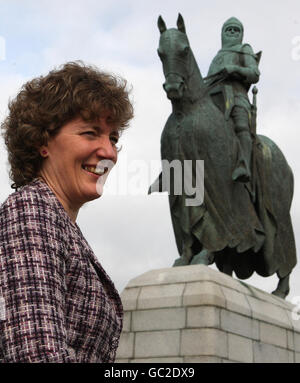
{"x":45,"y":190}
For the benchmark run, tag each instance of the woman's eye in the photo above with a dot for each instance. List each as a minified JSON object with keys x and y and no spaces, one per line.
{"x":89,"y":133}
{"x":114,"y":140}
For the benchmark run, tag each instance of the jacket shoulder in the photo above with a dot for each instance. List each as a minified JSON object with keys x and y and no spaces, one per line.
{"x":27,"y":198}
{"x":30,"y":204}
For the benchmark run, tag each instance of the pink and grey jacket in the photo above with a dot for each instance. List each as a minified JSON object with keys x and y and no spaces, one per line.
{"x":57,"y":304}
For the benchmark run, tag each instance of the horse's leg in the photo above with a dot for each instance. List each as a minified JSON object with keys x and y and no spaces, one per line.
{"x":227,"y":269}
{"x":203,"y":258}
{"x":185,"y":257}
{"x":227,"y":262}
{"x":283,"y":287}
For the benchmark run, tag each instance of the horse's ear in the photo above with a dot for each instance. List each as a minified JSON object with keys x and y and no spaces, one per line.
{"x":180,"y":23}
{"x":161,"y":24}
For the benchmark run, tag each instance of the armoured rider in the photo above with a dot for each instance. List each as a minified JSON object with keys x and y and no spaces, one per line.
{"x":235,"y":68}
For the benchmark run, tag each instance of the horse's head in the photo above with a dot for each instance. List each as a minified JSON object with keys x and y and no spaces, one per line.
{"x":175,"y":54}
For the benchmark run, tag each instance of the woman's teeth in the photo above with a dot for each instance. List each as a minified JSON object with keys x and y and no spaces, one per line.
{"x":92,"y":169}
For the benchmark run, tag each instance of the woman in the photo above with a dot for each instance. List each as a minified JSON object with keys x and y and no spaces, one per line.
{"x":57,"y":304}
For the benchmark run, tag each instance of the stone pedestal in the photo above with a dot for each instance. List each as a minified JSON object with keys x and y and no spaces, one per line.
{"x":197,"y":314}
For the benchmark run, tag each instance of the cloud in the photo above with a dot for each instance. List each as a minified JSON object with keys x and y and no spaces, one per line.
{"x":131,"y":235}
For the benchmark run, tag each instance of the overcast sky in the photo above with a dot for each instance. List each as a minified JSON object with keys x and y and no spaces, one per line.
{"x":131,"y":234}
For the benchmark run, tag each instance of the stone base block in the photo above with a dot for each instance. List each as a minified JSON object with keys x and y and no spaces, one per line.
{"x":196,"y":314}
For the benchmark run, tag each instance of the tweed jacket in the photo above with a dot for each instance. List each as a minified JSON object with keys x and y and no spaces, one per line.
{"x":57,"y":304}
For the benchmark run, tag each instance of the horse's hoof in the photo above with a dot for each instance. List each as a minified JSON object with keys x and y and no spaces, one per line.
{"x":181,"y":261}
{"x":280,"y":293}
{"x":201,"y":258}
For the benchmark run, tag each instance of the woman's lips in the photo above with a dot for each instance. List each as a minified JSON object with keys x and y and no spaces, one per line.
{"x":93,"y":169}
{"x":92,"y":174}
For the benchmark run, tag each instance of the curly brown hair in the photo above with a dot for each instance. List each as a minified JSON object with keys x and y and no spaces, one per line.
{"x":46,"y":103}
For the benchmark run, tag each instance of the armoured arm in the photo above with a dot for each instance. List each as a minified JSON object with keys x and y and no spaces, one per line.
{"x":249,"y":72}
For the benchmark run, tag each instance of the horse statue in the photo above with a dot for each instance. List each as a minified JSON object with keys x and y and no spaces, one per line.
{"x":241,"y":228}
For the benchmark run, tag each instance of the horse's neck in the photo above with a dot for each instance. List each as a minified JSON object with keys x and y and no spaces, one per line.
{"x":195,"y":86}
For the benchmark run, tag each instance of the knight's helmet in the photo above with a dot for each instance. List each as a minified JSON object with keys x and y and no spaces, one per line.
{"x":226,"y":42}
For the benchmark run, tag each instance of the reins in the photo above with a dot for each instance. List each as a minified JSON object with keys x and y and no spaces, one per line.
{"x":219,"y":77}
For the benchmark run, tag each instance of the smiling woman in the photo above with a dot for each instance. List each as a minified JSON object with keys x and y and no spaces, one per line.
{"x":61,"y":135}
{"x":73,"y":160}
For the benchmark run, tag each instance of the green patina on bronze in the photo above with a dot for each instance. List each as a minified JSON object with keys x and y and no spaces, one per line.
{"x":244,"y":223}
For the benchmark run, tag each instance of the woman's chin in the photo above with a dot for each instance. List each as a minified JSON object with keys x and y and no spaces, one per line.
{"x":99,"y":189}
{"x":96,"y":183}
{"x":91,"y":194}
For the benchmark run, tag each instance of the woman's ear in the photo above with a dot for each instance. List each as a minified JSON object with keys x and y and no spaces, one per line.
{"x":44,"y":152}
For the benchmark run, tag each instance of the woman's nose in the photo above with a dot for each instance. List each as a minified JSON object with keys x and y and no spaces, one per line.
{"x":106,"y":149}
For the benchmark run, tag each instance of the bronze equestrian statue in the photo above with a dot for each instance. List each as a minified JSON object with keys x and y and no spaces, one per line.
{"x":243,"y":224}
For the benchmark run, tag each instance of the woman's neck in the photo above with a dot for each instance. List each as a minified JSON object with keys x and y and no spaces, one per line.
{"x":72,"y":211}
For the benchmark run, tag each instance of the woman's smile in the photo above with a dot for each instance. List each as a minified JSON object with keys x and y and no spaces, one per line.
{"x":79,"y":158}
{"x":93,"y":170}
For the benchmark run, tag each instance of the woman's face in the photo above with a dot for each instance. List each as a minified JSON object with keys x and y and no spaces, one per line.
{"x":75,"y":154}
